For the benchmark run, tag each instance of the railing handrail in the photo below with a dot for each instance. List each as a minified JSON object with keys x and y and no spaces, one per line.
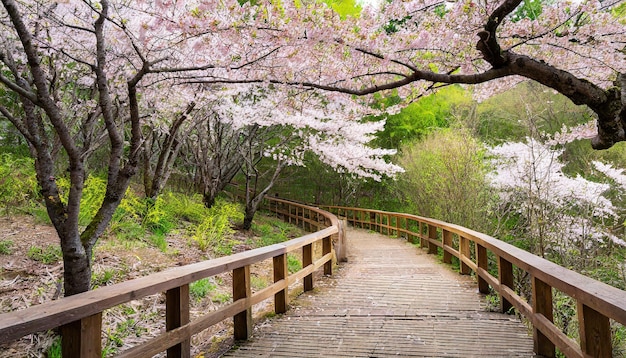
{"x":68,"y":310}
{"x":607,"y":301}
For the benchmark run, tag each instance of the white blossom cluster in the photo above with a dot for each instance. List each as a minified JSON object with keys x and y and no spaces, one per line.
{"x":533,"y":169}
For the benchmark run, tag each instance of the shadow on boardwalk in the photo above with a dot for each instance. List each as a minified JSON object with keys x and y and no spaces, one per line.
{"x":390,"y":299}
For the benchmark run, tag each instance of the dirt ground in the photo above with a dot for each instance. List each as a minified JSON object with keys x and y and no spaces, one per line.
{"x":25,"y":282}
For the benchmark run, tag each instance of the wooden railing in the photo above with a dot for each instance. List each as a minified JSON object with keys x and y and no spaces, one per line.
{"x":597,"y":302}
{"x":79,"y":317}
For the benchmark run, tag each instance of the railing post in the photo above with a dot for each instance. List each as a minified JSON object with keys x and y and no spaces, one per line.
{"x":340,"y":247}
{"x":423,"y":241}
{"x":307,"y":259}
{"x":447,"y":241}
{"x":595,"y":332}
{"x":177,"y":315}
{"x":82,"y":338}
{"x":542,"y":304}
{"x":281,"y":298}
{"x":483,"y":263}
{"x":327,"y":247}
{"x":397,"y":226}
{"x":289,"y":211}
{"x":464,"y":252}
{"x":242,"y":321}
{"x":505,"y":275}
{"x":409,"y":236}
{"x":432,"y":236}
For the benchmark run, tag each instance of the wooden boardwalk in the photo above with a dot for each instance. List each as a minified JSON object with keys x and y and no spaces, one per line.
{"x":390,"y":300}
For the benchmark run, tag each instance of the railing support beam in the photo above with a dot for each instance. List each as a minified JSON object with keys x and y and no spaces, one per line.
{"x":281,"y":298}
{"x":177,"y":315}
{"x":464,"y":250}
{"x":82,"y":338}
{"x":482,"y":262}
{"x":447,"y":241}
{"x":242,"y":321}
{"x":307,"y":259}
{"x":505,"y":275}
{"x":327,"y":247}
{"x":542,"y":304}
{"x":595,"y":332}
{"x":432,"y":237}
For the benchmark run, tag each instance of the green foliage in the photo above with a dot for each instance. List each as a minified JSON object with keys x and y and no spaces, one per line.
{"x":620,"y":12}
{"x":445,"y":178}
{"x":345,"y":8}
{"x":212,"y":232}
{"x":115,"y":338}
{"x":529,"y":9}
{"x":158,"y":240}
{"x":293,"y":263}
{"x":201,"y":288}
{"x":93,"y":195}
{"x":6,"y":247}
{"x":54,"y":351}
{"x":159,"y":219}
{"x":221,"y":297}
{"x":106,"y":277}
{"x":258,"y":283}
{"x":270,"y":230}
{"x":421,"y":117}
{"x":127,"y":229}
{"x":18,"y":182}
{"x":48,"y":255}
{"x":528,"y":109}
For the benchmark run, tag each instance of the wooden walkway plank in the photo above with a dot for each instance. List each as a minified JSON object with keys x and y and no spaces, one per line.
{"x":390,"y":300}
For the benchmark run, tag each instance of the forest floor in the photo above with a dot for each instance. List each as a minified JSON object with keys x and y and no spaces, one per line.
{"x":31,"y":273}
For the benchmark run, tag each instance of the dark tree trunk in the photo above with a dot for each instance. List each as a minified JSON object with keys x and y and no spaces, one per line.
{"x":254,"y":200}
{"x":38,"y":99}
{"x":155,"y":180}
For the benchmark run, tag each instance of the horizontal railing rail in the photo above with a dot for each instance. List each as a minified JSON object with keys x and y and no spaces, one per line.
{"x":79,"y":317}
{"x":597,"y":303}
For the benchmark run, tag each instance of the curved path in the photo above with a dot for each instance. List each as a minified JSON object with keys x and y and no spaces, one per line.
{"x":390,"y":299}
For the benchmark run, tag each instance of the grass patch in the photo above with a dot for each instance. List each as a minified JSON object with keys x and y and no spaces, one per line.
{"x":201,"y":288}
{"x":6,"y":247}
{"x":221,"y":297}
{"x":258,"y":283}
{"x":48,"y":255}
{"x":293,"y":263}
{"x":54,"y":351}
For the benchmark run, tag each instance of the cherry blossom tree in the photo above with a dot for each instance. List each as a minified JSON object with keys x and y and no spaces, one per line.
{"x":414,"y":47}
{"x":77,"y":75}
{"x":84,"y":71}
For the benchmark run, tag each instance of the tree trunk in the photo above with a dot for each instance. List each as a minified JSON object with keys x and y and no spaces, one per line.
{"x":253,"y":202}
{"x":77,"y":266}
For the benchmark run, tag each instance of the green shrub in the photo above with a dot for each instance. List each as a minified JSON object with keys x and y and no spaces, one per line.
{"x":215,"y":229}
{"x":159,"y":219}
{"x":18,"y":182}
{"x":447,"y":164}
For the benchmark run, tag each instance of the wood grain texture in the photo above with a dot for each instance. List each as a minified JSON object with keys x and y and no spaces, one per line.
{"x":390,"y":300}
